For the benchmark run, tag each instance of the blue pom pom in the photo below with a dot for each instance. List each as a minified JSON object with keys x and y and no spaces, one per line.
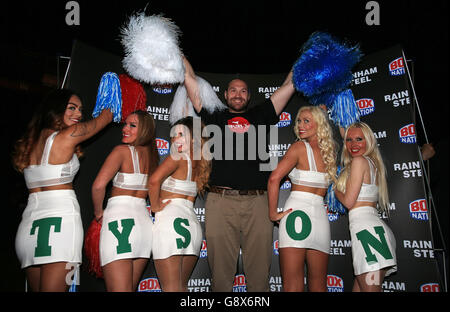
{"x":344,"y":110}
{"x":334,"y":205}
{"x":326,"y":98}
{"x":324,"y":65}
{"x":109,"y":96}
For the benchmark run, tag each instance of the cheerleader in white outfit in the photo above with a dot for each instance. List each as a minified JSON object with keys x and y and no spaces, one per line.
{"x":360,"y":186}
{"x":177,"y":234}
{"x":304,"y":229}
{"x":50,"y":236}
{"x":126,"y":232}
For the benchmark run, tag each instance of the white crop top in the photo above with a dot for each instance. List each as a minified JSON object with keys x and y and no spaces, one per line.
{"x":136,"y":181}
{"x":182,"y":187}
{"x":311,"y":177}
{"x":369,"y":192}
{"x":46,"y":174}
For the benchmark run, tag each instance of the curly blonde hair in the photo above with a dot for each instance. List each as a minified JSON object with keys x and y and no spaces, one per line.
{"x":327,"y":145}
{"x":374,"y":154}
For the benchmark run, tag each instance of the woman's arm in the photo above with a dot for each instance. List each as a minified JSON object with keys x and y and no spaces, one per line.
{"x":74,"y":135}
{"x":167,"y":167}
{"x":354,"y":182}
{"x":110,"y":167}
{"x":288,"y":162}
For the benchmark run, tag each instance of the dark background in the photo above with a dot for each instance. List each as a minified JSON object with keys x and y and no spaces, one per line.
{"x":218,"y":37}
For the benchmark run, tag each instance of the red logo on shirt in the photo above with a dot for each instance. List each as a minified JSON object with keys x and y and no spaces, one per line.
{"x":238,"y":124}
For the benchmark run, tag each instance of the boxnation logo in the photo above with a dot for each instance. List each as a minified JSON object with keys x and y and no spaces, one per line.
{"x":163,"y":146}
{"x":150,"y":284}
{"x":407,"y":134}
{"x":397,"y":67}
{"x":366,"y":106}
{"x":418,"y":209}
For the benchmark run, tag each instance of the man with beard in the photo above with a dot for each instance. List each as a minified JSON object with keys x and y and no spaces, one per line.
{"x":236,"y":206}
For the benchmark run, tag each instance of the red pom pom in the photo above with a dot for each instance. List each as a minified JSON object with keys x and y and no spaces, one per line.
{"x":91,"y":248}
{"x":133,"y":96}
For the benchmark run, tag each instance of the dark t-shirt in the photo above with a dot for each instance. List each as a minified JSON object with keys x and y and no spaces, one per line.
{"x":233,"y":166}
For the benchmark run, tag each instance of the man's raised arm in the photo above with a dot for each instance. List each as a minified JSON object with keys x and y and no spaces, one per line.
{"x":282,"y":95}
{"x":191,"y":85}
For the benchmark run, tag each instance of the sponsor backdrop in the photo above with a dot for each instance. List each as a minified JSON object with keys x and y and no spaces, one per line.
{"x":382,"y":92}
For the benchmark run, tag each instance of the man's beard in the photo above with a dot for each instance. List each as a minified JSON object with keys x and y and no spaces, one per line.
{"x":240,"y":107}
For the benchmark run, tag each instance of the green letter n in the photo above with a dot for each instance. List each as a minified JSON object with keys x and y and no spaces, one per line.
{"x":381,"y":245}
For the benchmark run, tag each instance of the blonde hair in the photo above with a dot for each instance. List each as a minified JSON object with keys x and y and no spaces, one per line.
{"x":146,"y":136}
{"x":203,"y":169}
{"x":374,"y":154}
{"x":327,"y":145}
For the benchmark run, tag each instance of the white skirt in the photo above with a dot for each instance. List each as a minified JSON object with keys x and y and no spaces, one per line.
{"x":126,"y":230}
{"x":51,"y":229}
{"x":307,"y":226}
{"x":177,"y":230}
{"x":373,"y":243}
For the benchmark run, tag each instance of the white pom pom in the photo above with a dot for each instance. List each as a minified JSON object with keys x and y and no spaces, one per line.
{"x":208,"y":96}
{"x":152,"y":54}
{"x":182,"y":106}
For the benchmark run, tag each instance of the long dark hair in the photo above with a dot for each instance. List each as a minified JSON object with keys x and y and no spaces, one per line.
{"x":49,"y":115}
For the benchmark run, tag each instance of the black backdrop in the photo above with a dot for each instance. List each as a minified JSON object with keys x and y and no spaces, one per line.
{"x":385,"y":99}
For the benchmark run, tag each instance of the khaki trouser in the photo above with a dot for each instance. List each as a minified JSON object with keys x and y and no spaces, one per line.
{"x":234,"y":221}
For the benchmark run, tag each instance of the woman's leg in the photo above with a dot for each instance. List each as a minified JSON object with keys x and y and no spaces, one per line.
{"x":317,"y":262}
{"x":187,"y":266}
{"x":33,"y":277}
{"x":119,"y":275}
{"x":169,"y":273}
{"x":292,"y":266}
{"x":356,"y":286}
{"x":139,"y":266}
{"x":53,"y":277}
{"x":370,"y":281}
